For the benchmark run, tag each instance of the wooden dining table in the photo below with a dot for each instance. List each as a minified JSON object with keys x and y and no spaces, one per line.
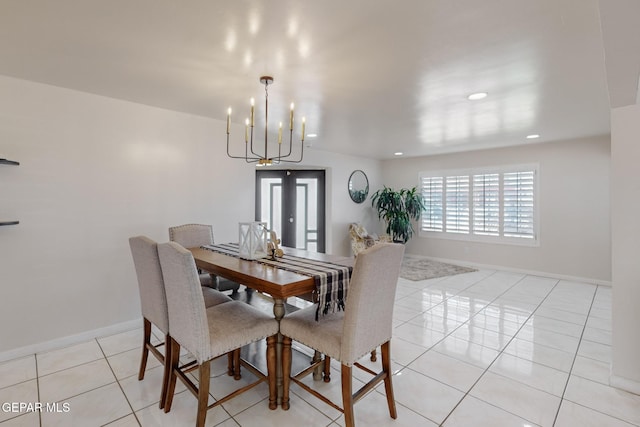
{"x":280,"y":284}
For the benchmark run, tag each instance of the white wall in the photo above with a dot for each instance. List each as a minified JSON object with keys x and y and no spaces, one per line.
{"x":574,"y":208}
{"x":341,"y":210}
{"x":95,"y":171}
{"x":625,"y":230}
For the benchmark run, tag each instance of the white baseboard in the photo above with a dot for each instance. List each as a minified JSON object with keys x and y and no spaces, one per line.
{"x":70,"y":340}
{"x":624,"y":384}
{"x":518,"y":270}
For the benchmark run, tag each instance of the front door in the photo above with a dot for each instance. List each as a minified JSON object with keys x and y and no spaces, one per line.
{"x":292,"y":203}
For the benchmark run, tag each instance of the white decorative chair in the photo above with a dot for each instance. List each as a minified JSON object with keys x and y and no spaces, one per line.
{"x":347,"y":336}
{"x":194,"y":236}
{"x":153,"y":301}
{"x":209,"y":332}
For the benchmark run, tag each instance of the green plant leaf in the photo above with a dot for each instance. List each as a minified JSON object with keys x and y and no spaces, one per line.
{"x":398,"y":208}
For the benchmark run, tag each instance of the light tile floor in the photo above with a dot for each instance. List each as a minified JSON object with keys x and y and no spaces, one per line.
{"x":487,"y":348}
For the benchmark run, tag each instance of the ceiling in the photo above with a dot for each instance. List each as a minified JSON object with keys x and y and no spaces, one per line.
{"x":371,"y":77}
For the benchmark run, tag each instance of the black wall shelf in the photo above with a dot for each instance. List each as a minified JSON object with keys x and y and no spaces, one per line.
{"x":9,"y":223}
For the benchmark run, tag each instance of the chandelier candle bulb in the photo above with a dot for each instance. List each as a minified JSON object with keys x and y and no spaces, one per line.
{"x":228,"y":120}
{"x":252,"y":109}
{"x":303,"y":123}
{"x":280,"y":134}
{"x":291,"y":117}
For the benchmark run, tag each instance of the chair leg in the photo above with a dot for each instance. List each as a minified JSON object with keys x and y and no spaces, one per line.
{"x":373,"y":357}
{"x":146,"y":340}
{"x":236,"y":364}
{"x":326,"y":370}
{"x":317,"y":373}
{"x":230,"y":368}
{"x":203,"y":392}
{"x":167,"y":370}
{"x":271,"y":371}
{"x":388,"y":386}
{"x":286,"y":371}
{"x":347,"y":396}
{"x":174,"y":353}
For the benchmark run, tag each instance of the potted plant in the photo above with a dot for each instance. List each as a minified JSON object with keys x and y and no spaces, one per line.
{"x":398,"y":209}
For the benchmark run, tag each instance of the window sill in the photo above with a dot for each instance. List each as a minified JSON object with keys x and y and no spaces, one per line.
{"x":480,"y":239}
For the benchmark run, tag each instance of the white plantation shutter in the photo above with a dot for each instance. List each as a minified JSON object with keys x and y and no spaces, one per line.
{"x":518,"y":208}
{"x":432,"y":193}
{"x":486,"y":204}
{"x":457,"y":204}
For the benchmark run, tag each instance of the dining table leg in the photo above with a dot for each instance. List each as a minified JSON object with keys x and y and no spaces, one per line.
{"x":278,"y":312}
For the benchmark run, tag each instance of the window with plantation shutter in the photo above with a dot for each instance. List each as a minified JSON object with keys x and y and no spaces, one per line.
{"x":432,"y":192}
{"x":518,"y":204}
{"x":486,"y":204}
{"x":489,"y":204}
{"x":457,"y":204}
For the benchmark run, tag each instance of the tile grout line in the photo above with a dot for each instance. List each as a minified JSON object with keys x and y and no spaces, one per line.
{"x":573,"y":363}
{"x":35,"y":357}
{"x":575,"y":356}
{"x":463,"y":323}
{"x":453,"y":330}
{"x":119,"y":385}
{"x":502,"y":350}
{"x":432,"y":307}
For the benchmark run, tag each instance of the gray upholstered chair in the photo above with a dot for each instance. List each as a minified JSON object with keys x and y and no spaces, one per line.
{"x":153,"y":303}
{"x":194,"y":236}
{"x":209,"y":332}
{"x":347,"y":336}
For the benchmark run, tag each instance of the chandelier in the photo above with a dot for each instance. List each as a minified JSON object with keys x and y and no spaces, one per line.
{"x":255,"y":154}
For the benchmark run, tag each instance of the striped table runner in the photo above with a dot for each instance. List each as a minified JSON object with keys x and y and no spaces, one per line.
{"x":331,"y":279}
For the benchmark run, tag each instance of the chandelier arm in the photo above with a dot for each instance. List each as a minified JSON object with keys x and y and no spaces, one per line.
{"x":252,"y":151}
{"x":290,"y":143}
{"x":239,"y":157}
{"x":247,"y":158}
{"x":294,"y":161}
{"x":279,"y":152}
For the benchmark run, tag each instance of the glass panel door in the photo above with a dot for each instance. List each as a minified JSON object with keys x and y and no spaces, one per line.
{"x":271,"y":206}
{"x":292,"y":203}
{"x":307,"y":214}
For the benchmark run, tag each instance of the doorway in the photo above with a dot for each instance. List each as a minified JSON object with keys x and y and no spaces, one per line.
{"x":292,"y":203}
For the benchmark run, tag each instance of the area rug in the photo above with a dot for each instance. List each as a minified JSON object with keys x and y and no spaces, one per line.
{"x":417,"y":268}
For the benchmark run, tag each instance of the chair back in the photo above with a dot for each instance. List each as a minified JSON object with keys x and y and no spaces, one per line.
{"x":369,"y":307}
{"x":153,"y":299}
{"x":187,"y":313}
{"x":191,"y":235}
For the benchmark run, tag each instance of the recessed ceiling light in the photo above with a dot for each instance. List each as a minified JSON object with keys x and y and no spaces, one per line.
{"x":398,"y":153}
{"x":312,"y":135}
{"x":477,"y":95}
{"x":533,"y":136}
